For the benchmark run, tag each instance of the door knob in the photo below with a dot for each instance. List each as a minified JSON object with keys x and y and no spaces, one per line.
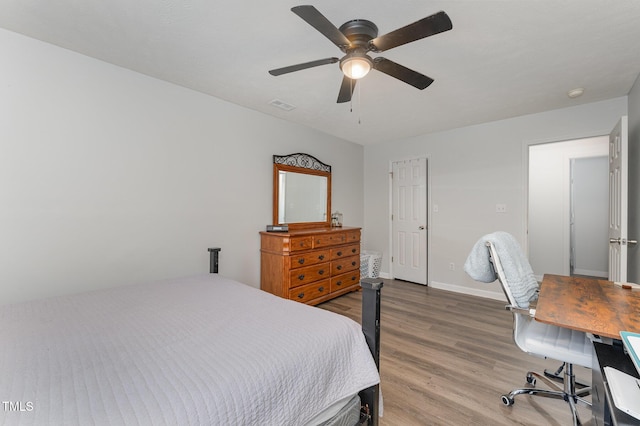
{"x":421,"y":228}
{"x":622,"y":241}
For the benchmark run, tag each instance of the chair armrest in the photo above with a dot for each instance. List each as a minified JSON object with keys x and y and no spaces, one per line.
{"x":523,"y":311}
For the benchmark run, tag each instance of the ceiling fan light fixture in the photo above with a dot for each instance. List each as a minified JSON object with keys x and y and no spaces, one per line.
{"x":356,"y":66}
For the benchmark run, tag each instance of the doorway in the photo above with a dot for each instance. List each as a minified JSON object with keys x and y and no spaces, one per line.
{"x":550,"y":195}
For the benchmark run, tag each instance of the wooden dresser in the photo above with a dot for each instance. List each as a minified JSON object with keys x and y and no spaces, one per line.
{"x":310,"y":265}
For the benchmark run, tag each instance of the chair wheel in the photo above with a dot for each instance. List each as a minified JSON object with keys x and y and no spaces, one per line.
{"x":531,"y":379}
{"x":506,"y":400}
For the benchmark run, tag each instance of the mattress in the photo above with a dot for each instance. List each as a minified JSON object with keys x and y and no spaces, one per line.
{"x":200,"y":350}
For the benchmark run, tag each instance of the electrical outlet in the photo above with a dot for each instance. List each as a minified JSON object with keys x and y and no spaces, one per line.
{"x":435,"y":208}
{"x":452,"y":266}
{"x":501,"y":208}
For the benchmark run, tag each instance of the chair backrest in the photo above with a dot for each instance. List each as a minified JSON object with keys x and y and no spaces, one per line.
{"x":520,"y":321}
{"x":497,"y":267}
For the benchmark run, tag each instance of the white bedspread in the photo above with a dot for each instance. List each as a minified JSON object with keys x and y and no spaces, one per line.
{"x":201,"y":350}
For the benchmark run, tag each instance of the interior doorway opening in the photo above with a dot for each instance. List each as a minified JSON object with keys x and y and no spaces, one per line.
{"x":565,"y":235}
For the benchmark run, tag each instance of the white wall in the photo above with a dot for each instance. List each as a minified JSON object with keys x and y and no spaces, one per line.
{"x":549,"y":203}
{"x":109,"y":177}
{"x":634,"y":181}
{"x":471,"y":170}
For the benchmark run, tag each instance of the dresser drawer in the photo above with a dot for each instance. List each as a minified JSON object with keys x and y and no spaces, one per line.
{"x":340,"y":252}
{"x":301,"y":243}
{"x":309,"y":274}
{"x":352,"y":237}
{"x":345,"y":280}
{"x":308,"y":259}
{"x":310,"y":291}
{"x":343,"y":265}
{"x":332,"y":239}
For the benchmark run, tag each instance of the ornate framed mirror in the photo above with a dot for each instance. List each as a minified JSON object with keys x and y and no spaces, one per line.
{"x":301,"y":191}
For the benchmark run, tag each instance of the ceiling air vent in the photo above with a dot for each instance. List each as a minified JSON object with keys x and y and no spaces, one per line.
{"x":282,"y":105}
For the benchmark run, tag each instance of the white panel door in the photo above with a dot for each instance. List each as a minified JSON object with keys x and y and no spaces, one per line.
{"x":409,"y":220}
{"x":618,"y":182}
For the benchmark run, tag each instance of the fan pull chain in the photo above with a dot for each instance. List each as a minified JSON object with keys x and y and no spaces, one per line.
{"x":359,"y":103}
{"x":351,"y":100}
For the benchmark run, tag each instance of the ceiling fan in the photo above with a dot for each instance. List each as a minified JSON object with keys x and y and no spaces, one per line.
{"x":358,"y":37}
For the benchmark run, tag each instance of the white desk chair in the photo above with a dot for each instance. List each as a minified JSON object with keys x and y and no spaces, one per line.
{"x":543,"y":340}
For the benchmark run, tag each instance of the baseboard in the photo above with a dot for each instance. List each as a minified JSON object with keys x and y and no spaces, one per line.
{"x":589,"y":273}
{"x":470,"y":291}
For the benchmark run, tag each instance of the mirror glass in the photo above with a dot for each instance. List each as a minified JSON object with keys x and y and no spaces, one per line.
{"x":303,"y":198}
{"x":301,"y":191}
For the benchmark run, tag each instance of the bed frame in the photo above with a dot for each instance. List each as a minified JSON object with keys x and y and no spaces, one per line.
{"x":371,"y":290}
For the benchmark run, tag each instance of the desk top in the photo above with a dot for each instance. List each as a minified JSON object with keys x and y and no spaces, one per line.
{"x":591,"y":305}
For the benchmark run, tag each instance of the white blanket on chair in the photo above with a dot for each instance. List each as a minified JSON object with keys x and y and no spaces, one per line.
{"x":517,"y":269}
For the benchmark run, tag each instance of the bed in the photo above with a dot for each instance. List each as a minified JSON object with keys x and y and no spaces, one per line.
{"x":195,"y":351}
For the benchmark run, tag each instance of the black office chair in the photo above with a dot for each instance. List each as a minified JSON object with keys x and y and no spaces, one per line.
{"x":543,"y":340}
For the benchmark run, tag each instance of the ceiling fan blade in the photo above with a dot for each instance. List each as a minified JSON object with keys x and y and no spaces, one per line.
{"x":346,"y":89}
{"x":318,"y":21}
{"x":298,"y":67}
{"x":434,"y":24}
{"x":417,"y":80}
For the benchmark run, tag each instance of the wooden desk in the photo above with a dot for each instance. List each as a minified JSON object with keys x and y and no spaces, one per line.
{"x":585,"y":304}
{"x":598,"y":307}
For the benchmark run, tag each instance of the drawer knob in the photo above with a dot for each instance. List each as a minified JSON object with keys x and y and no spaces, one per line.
{"x":339,"y":267}
{"x":321,"y":289}
{"x":321,"y":257}
{"x":339,"y":253}
{"x":300,"y":295}
{"x":321,"y":272}
{"x":301,"y":261}
{"x":353,"y":250}
{"x":353,"y":278}
{"x":339,"y":283}
{"x":301,"y":277}
{"x":353,"y":263}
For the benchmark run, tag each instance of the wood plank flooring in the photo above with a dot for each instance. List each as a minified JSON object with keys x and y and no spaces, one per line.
{"x":446,"y":358}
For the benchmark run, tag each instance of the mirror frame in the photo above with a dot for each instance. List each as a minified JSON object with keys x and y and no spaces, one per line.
{"x":305,"y":164}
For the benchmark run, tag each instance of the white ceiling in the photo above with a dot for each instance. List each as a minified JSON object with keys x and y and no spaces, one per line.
{"x":503,"y":58}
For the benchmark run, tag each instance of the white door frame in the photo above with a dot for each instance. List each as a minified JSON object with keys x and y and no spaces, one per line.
{"x":390,"y":203}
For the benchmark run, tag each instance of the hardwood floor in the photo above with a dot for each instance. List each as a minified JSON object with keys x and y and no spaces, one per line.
{"x":446,"y":358}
